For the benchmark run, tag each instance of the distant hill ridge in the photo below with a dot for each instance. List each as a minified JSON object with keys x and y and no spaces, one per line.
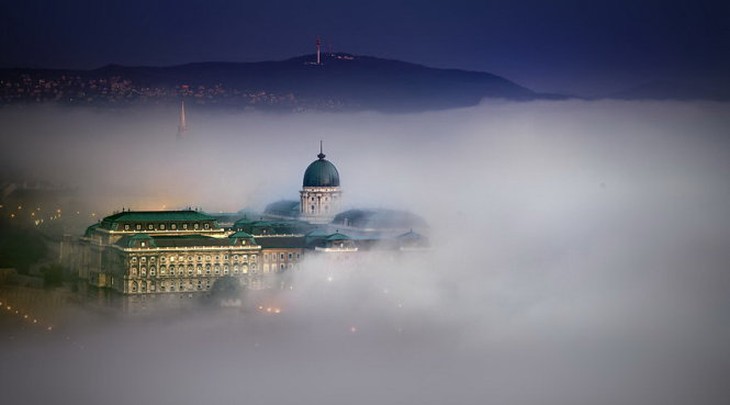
{"x":341,"y":81}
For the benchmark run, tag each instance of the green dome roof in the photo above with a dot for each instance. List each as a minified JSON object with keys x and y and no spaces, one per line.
{"x":321,"y":173}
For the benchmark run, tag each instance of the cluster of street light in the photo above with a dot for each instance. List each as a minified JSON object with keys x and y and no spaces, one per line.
{"x":35,"y":215}
{"x":269,"y":310}
{"x":24,"y":315}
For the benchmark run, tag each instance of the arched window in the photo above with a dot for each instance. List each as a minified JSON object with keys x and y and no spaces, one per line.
{"x":134,"y":286}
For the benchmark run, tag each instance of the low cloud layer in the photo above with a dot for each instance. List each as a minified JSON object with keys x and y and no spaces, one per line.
{"x":579,"y":256}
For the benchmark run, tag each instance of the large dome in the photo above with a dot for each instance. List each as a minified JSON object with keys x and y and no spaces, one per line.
{"x":321,"y":173}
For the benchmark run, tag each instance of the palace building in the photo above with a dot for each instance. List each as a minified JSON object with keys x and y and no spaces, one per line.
{"x":164,"y":252}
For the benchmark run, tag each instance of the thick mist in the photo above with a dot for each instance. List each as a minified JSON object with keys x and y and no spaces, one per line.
{"x":579,"y":256}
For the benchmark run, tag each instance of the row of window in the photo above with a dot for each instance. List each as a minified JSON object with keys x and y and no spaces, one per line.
{"x":163,"y":227}
{"x":320,"y":198}
{"x":282,"y":256}
{"x":200,"y":258}
{"x":173,"y":285}
{"x":190,"y":270}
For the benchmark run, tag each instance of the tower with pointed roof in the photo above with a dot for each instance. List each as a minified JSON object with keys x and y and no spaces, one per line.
{"x":321,"y":194}
{"x":182,"y":127}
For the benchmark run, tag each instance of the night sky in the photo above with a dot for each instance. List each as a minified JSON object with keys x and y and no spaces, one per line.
{"x":562,"y":46}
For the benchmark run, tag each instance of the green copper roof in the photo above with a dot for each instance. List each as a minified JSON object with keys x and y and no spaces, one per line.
{"x":321,"y":173}
{"x":90,"y":230}
{"x":337,"y":236}
{"x":161,"y":216}
{"x":113,"y":222}
{"x":241,"y":234}
{"x":135,"y":239}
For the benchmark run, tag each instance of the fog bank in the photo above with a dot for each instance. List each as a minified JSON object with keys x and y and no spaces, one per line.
{"x":579,"y":256}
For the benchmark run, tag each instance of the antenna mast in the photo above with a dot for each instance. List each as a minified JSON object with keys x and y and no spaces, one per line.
{"x":319,"y":61}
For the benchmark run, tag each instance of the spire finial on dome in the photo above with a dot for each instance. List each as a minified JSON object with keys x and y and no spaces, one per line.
{"x":321,"y":155}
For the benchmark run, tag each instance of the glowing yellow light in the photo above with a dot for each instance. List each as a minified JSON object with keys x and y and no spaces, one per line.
{"x":20,"y":207}
{"x":25,"y":316}
{"x":277,"y":311}
{"x":35,"y":321}
{"x":50,"y":328}
{"x":261,"y":307}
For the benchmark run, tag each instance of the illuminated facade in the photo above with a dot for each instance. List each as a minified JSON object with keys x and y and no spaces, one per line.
{"x":166,"y":251}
